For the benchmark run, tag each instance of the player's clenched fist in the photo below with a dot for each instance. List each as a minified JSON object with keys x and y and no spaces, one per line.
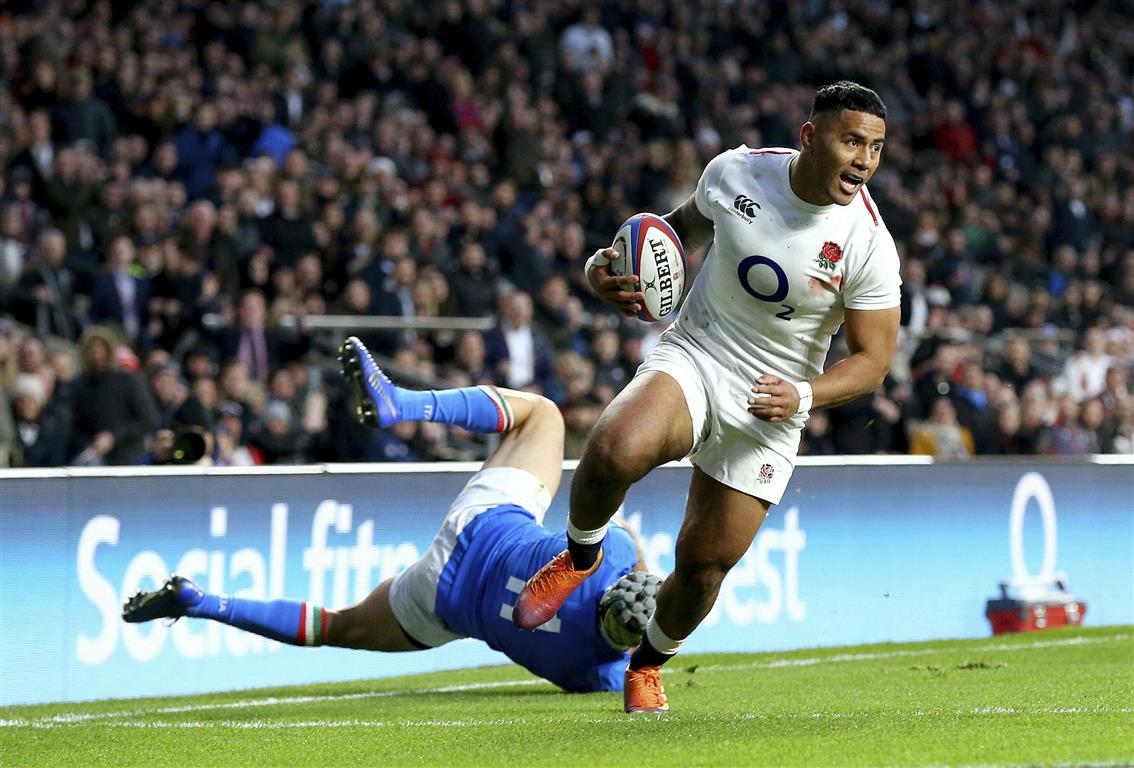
{"x":773,"y":399}
{"x":617,"y":289}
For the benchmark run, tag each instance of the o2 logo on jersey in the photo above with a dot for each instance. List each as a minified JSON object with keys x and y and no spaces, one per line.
{"x":765,"y":280}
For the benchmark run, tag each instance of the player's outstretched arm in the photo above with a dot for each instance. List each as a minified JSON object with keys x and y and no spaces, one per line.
{"x":692,"y":228}
{"x":872,"y":336}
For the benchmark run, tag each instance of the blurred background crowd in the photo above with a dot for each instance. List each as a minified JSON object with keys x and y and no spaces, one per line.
{"x":199,"y":199}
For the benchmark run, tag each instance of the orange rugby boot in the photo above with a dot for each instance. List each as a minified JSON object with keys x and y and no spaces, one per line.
{"x":644,"y":692}
{"x":545,"y":592}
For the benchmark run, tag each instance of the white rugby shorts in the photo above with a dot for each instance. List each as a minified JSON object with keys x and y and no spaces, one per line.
{"x":413,"y":595}
{"x":729,"y":444}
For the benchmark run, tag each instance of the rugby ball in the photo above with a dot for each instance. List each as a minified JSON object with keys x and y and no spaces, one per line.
{"x":648,"y":247}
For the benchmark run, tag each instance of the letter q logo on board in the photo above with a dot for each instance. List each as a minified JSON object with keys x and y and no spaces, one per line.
{"x":1032,"y":486}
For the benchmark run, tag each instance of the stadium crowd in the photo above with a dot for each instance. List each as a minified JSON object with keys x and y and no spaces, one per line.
{"x":185,"y":183}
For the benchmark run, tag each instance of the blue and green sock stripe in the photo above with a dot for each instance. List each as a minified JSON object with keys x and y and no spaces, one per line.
{"x":505,"y":418}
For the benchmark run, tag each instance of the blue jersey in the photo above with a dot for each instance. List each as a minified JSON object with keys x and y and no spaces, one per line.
{"x":494,"y":557}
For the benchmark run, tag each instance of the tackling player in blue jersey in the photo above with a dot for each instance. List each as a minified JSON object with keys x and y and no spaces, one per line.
{"x":491,"y":542}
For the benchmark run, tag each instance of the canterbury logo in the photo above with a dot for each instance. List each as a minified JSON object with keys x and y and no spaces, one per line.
{"x":746,"y":205}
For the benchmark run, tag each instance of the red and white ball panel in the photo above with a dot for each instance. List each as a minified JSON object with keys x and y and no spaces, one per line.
{"x":648,"y":247}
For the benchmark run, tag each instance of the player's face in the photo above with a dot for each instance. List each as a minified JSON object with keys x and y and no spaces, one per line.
{"x":846,"y":149}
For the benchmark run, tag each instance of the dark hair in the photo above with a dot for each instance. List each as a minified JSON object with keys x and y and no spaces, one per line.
{"x":847,"y":95}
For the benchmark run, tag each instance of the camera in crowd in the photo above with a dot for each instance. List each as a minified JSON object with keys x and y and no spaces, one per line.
{"x":190,"y":438}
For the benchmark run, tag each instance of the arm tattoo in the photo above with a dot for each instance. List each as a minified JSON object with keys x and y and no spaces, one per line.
{"x":691,"y":227}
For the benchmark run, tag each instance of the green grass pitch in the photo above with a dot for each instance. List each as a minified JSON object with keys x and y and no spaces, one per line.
{"x":1061,"y":697}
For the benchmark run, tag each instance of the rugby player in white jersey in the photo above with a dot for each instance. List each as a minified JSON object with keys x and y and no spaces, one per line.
{"x":798,"y":249}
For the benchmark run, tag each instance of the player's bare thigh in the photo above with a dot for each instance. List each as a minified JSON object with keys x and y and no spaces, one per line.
{"x":720,"y":523}
{"x":370,"y":625}
{"x":647,"y":424}
{"x":719,"y":526}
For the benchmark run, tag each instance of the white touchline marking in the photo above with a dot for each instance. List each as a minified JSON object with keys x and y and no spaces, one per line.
{"x":297,"y":724}
{"x":81,"y":717}
{"x":813,"y":660}
{"x":78,"y":717}
{"x":278,"y":725}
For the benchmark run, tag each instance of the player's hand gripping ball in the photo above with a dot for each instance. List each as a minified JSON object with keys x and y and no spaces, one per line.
{"x":648,"y":247}
{"x":627,"y":606}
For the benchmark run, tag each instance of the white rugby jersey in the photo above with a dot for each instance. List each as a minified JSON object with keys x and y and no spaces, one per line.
{"x":781,"y":271}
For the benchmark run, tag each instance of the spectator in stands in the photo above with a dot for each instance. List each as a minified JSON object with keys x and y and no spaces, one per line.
{"x":9,"y":451}
{"x":1009,"y":441}
{"x":816,"y":439}
{"x":974,"y":411}
{"x":579,"y":418}
{"x":9,"y":352}
{"x":201,"y":150}
{"x":287,"y":230}
{"x":237,"y":388}
{"x":1118,"y":436}
{"x":551,"y":314}
{"x":1016,"y":369}
{"x":1036,"y":416}
{"x":20,"y":197}
{"x":203,"y":241}
{"x":120,"y":296}
{"x":470,"y":358}
{"x":181,"y":293}
{"x":114,"y":412}
{"x":257,"y":347}
{"x":954,"y":135}
{"x":31,"y":356}
{"x":586,"y":45}
{"x":44,"y":296}
{"x":206,"y":391}
{"x":410,"y":131}
{"x":611,"y":371}
{"x":41,"y":435}
{"x":37,"y":158}
{"x":73,"y":200}
{"x":274,"y":140}
{"x":14,"y":247}
{"x":1070,"y":435}
{"x":1115,"y":389}
{"x":395,"y":444}
{"x":168,"y":391}
{"x":187,"y":439}
{"x":1084,"y":375}
{"x":518,"y":351}
{"x":231,"y":451}
{"x":279,"y":440}
{"x":915,"y":301}
{"x":473,"y":283}
{"x":84,"y":116}
{"x":942,"y":436}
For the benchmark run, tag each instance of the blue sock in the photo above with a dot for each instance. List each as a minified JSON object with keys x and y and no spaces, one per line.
{"x":478,"y":409}
{"x":289,"y":621}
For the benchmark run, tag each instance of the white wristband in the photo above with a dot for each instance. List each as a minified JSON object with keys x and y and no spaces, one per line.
{"x":806,"y":395}
{"x":597,"y":260}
